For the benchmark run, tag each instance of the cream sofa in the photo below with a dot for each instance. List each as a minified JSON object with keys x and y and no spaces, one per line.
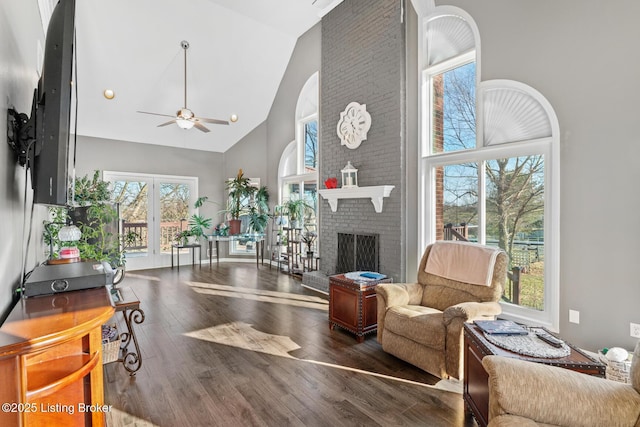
{"x":421,"y":322}
{"x":525,"y":394}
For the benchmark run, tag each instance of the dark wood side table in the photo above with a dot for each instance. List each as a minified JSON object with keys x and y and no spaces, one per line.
{"x":353,"y":305}
{"x":476,"y":386}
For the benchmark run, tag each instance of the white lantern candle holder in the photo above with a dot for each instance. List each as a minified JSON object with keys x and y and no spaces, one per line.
{"x":349,"y":176}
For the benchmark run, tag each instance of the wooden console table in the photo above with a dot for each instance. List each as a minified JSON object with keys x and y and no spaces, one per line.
{"x":353,"y":305}
{"x":476,"y":386}
{"x":51,"y":360}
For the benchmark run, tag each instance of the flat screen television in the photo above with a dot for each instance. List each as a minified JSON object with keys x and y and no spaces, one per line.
{"x":52,"y":156}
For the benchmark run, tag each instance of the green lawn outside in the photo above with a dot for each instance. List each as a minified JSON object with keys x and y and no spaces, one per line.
{"x":531,"y":287}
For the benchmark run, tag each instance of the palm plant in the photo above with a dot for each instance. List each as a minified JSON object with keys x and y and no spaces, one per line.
{"x":240,"y":192}
{"x":297,"y":208}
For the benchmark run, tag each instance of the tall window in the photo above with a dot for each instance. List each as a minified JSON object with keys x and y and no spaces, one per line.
{"x":245,"y":246}
{"x":298,"y":169}
{"x":311,"y":146}
{"x":487,"y":177}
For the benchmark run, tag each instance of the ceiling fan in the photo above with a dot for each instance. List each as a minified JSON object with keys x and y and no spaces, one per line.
{"x":184,"y":117}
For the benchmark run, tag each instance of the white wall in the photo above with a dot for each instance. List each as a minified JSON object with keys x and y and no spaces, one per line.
{"x":583,"y":57}
{"x":20,"y":31}
{"x":260,"y":151}
{"x":122,"y":156}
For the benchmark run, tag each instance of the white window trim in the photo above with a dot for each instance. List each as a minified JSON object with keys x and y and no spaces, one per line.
{"x":549,"y":147}
{"x":300,"y":141}
{"x":549,"y":317}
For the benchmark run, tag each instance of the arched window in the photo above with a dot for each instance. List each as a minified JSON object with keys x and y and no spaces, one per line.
{"x":489,"y":165}
{"x":298,"y":169}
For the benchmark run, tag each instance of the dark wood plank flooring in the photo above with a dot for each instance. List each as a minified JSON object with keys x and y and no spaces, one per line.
{"x":216,"y":353}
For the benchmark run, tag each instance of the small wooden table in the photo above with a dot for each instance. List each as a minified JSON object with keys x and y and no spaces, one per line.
{"x":476,"y":380}
{"x":353,"y":305}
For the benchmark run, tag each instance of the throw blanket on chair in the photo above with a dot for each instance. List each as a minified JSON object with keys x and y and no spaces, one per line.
{"x":462,"y":261}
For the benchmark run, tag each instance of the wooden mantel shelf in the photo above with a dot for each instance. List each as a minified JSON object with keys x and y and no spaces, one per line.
{"x":376,"y":193}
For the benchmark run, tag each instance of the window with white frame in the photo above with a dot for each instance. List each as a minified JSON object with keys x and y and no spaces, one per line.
{"x":489,"y":166}
{"x":298,"y":171}
{"x":245,"y":245}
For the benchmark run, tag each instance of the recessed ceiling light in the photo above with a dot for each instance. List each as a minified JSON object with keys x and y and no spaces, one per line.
{"x":109,"y":94}
{"x":234,"y":118}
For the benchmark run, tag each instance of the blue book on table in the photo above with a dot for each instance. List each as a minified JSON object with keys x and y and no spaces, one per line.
{"x":372,"y":275}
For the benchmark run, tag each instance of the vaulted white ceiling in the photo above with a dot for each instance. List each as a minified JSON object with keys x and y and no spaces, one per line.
{"x":239,"y":50}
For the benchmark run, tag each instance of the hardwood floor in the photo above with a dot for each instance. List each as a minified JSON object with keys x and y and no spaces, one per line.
{"x":237,"y":345}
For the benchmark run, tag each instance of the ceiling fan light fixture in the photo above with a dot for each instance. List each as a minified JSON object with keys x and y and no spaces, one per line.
{"x":184,"y":118}
{"x":184,"y":123}
{"x":185,"y":113}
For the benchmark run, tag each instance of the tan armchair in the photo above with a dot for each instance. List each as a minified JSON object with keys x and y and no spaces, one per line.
{"x":531,"y":394}
{"x":421,"y":322}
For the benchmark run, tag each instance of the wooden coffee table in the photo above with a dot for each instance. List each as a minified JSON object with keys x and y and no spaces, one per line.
{"x":476,"y":379}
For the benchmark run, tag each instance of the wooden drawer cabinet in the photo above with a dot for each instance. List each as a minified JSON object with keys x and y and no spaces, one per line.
{"x":353,"y":305}
{"x":51,"y":360}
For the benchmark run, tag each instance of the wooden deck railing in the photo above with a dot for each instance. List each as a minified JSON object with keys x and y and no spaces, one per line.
{"x":456,"y":232}
{"x":513,"y":277}
{"x":139,"y":234}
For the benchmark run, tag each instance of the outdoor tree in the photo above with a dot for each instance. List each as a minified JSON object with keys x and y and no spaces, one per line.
{"x":514,"y":186}
{"x":311,"y":145}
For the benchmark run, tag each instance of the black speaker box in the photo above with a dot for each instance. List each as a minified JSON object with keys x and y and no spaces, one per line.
{"x":53,"y":279}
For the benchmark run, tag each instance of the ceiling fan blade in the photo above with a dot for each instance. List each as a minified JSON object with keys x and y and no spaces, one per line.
{"x":156,"y":114}
{"x":214,"y":121}
{"x":200,"y":126}
{"x":167,"y":123}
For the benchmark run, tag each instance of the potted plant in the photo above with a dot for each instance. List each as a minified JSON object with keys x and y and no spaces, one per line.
{"x":186,"y":237}
{"x":296,"y":208}
{"x":280,"y":215}
{"x":309,"y":237}
{"x":97,"y":218}
{"x":91,"y":191}
{"x":198,"y":224}
{"x":240,"y":192}
{"x":259,"y":210}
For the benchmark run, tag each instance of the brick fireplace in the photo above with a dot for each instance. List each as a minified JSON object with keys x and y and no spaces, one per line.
{"x":364,"y":61}
{"x":357,"y":252}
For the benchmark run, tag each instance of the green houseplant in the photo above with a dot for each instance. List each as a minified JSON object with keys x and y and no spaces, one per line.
{"x":296,"y":209}
{"x":240,"y":193}
{"x":198,"y":224}
{"x":185,"y":237}
{"x":259,"y":210}
{"x":97,"y":218}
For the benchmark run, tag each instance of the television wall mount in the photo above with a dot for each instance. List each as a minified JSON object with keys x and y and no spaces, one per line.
{"x":21,"y":132}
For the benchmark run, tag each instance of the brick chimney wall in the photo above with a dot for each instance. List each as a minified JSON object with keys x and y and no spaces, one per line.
{"x":363,"y":60}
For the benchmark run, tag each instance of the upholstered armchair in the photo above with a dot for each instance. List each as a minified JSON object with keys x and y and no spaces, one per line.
{"x":524,"y":394}
{"x":421,"y":322}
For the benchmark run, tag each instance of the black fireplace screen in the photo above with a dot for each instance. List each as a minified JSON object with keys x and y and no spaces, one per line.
{"x":357,"y":252}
